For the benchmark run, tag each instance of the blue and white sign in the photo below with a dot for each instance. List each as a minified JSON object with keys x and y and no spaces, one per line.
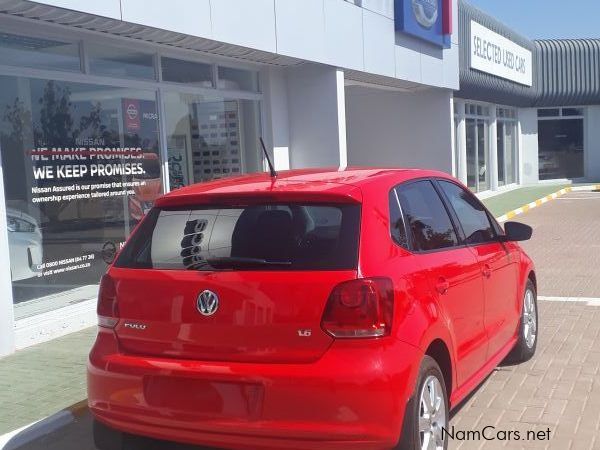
{"x":499,"y":56}
{"x":422,"y":19}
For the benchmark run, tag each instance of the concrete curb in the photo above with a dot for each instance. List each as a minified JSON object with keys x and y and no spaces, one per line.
{"x":29,"y":433}
{"x":523,"y":209}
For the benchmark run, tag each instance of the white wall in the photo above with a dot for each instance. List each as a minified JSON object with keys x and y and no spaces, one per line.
{"x":528,"y":146}
{"x":592,"y":143}
{"x":315,"y":97}
{"x":399,"y":129}
{"x":334,"y":32}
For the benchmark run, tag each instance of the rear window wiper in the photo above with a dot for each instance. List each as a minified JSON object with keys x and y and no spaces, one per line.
{"x":233,"y":262}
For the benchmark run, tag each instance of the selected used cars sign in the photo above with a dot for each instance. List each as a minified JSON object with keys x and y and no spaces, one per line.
{"x":499,"y":56}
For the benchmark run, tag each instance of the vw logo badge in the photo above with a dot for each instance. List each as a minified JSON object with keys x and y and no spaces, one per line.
{"x":426,"y":12}
{"x":207,"y":303}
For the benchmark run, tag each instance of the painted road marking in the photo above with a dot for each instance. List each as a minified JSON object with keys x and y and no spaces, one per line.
{"x":523,"y":209}
{"x":588,"y":301}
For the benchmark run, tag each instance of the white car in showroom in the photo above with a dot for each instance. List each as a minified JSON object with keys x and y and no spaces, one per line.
{"x":25,"y":245}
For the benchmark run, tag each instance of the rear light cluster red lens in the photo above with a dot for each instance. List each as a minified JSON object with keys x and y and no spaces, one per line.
{"x":361,"y":308}
{"x":108,"y":310}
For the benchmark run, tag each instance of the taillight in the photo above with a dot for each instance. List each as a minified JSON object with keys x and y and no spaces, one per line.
{"x":108,"y":311}
{"x":361,"y":308}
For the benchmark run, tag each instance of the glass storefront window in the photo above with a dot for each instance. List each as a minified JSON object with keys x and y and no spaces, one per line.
{"x":188,"y":72}
{"x":237,"y":79}
{"x":39,"y":53}
{"x":483,"y":155}
{"x":477,"y":154}
{"x":210,"y":137}
{"x":549,"y":112}
{"x":118,"y":62}
{"x":81,"y":166}
{"x":471,"y":144}
{"x":560,"y":148}
{"x":572,"y":111}
{"x":507,"y":152}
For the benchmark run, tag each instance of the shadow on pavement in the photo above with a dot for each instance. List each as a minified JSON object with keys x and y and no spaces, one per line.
{"x":71,"y":429}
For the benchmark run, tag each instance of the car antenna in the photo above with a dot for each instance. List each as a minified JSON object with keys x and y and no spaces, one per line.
{"x":271,"y":169}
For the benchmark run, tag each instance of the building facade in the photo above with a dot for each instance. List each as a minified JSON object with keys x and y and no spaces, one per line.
{"x":526,"y":110}
{"x":106,"y":105}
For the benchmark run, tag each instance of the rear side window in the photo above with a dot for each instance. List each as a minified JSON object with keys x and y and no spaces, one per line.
{"x":397,"y":228}
{"x":471,"y":214}
{"x":426,"y":216}
{"x":254,"y":237}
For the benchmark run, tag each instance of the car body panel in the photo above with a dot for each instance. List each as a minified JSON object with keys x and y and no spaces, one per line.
{"x":342,"y":397}
{"x":259,"y":317}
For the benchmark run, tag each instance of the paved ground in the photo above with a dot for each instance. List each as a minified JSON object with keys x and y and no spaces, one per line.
{"x":43,"y":379}
{"x":560,"y":388}
{"x":558,"y":391}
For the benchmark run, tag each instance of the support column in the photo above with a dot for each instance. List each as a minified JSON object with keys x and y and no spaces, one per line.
{"x":7,"y":315}
{"x":275,"y":116}
{"x":317,"y":116}
{"x":461,"y":142}
{"x":493,"y":168}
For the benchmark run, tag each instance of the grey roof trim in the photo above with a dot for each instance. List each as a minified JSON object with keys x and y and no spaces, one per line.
{"x":568,"y":72}
{"x":116,"y":27}
{"x":476,"y":85}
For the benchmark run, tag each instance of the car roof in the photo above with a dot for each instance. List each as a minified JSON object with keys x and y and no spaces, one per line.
{"x":308,"y":184}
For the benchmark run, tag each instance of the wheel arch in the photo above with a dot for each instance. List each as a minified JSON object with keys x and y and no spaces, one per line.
{"x":440,"y":352}
{"x":533,"y":277}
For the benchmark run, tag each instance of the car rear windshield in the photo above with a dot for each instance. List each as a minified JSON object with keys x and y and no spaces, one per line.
{"x":289,"y":236}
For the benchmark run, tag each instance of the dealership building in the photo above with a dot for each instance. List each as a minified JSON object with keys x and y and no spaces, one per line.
{"x":106,"y":105}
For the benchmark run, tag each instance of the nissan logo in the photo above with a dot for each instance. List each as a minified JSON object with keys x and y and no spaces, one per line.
{"x":426,"y":12}
{"x":207,"y":303}
{"x":132,"y":111}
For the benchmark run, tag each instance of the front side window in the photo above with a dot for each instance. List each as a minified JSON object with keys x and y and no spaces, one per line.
{"x":426,"y":216}
{"x":289,"y":236}
{"x":471,"y":214}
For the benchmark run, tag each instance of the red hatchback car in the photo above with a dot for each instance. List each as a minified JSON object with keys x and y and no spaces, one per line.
{"x":320,"y":309}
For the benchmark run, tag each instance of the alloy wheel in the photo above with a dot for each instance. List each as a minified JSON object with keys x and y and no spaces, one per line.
{"x":432,"y":415}
{"x":529,"y":319}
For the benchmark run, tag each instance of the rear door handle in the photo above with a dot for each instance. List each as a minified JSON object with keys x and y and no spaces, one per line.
{"x":442,"y":286}
{"x":487,"y":271}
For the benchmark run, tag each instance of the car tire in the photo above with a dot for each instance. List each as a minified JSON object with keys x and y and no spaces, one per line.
{"x":528,"y":327}
{"x":106,"y":438}
{"x":430,"y":385}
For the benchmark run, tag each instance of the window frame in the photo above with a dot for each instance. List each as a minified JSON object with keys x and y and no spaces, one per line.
{"x":392,"y":193}
{"x":498,"y":231}
{"x":409,"y":237}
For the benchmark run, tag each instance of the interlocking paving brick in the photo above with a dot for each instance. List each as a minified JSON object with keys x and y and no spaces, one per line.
{"x":43,"y":379}
{"x":560,"y":387}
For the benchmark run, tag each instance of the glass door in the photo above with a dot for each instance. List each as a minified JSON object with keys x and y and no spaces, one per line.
{"x":501,"y":157}
{"x":477,"y":154}
{"x":210,"y":137}
{"x":471,"y":138}
{"x":482,"y":155}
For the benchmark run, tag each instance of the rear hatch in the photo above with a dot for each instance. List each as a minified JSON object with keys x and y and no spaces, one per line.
{"x":230,"y":282}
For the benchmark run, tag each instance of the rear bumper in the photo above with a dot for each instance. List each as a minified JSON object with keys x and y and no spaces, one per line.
{"x":352,"y":398}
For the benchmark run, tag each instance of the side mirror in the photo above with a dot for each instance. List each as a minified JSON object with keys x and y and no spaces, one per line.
{"x":516,"y":231}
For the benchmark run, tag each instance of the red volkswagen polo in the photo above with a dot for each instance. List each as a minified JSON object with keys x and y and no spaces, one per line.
{"x":320,"y":309}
